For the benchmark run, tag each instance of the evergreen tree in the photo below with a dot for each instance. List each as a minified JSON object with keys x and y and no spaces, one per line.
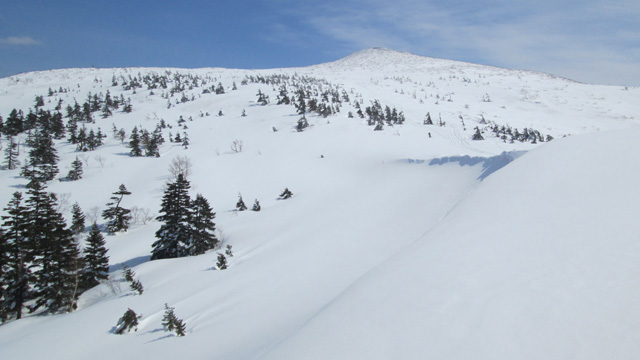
{"x":478,"y":135}
{"x":134,"y":143}
{"x":43,"y":159}
{"x":18,"y":251}
{"x":14,"y":124}
{"x":11,"y":155}
{"x":203,"y":228}
{"x":77,"y":219}
{"x":228,"y":251}
{"x":256,"y":206}
{"x":174,"y":235}
{"x":222,"y":262}
{"x":57,"y":255}
{"x":128,"y":322}
{"x":171,"y":322}
{"x":136,"y":286}
{"x":240,"y":206}
{"x":185,"y":140}
{"x":118,"y":218}
{"x":76,"y":170}
{"x":96,"y":261}
{"x":169,"y":318}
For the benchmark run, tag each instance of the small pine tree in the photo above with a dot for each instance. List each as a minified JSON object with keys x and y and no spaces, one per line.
{"x":240,"y":206}
{"x":136,"y":286}
{"x":171,"y":322}
{"x":76,"y":170}
{"x":118,"y":218}
{"x":128,"y":322}
{"x":185,"y":141}
{"x":96,"y":261}
{"x":477,"y":135}
{"x":222,"y":262}
{"x":134,"y":143}
{"x":228,"y":251}
{"x":11,"y":155}
{"x":286,"y":194}
{"x":127,"y":273}
{"x":256,"y":206}
{"x":77,"y":219}
{"x":169,"y":318}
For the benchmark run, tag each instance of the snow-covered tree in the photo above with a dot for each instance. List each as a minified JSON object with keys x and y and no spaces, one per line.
{"x":118,"y":218}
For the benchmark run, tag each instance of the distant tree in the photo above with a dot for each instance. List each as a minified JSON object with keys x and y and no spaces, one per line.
{"x":77,"y":219}
{"x":118,"y":218}
{"x":42,"y":163}
{"x":185,"y":141}
{"x":256,"y":206}
{"x":240,"y":206}
{"x":134,"y":143}
{"x":477,"y":135}
{"x":76,"y":170}
{"x":96,"y":261}
{"x":228,"y":251}
{"x":222,"y":262}
{"x":427,"y":120}
{"x":136,"y":286}
{"x":128,"y":322}
{"x":11,"y":155}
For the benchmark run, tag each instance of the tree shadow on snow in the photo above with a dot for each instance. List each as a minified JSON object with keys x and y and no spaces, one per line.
{"x":489,"y":164}
{"x":130,"y":263}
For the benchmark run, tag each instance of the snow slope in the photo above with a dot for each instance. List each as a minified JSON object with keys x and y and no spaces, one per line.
{"x":395,"y":244}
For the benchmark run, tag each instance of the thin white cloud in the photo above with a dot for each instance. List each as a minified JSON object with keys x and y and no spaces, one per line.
{"x":587,"y":40}
{"x":19,"y":40}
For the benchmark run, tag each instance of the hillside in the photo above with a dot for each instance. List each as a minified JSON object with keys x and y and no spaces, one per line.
{"x":414,"y":241}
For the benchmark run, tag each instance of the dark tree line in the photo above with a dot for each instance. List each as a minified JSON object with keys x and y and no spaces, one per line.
{"x":40,"y":261}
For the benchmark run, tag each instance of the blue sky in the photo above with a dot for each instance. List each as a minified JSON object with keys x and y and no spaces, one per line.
{"x":593,"y":41}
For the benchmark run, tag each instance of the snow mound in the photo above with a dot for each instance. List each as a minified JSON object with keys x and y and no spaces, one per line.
{"x":539,"y":262}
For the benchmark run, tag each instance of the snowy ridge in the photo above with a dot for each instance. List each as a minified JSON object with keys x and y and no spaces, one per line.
{"x":470,"y":251}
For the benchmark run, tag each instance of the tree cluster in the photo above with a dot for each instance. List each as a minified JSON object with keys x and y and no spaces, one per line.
{"x":40,"y":262}
{"x":188,"y":227}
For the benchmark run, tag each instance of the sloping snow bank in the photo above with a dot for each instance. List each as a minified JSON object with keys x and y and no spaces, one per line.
{"x":542,"y":261}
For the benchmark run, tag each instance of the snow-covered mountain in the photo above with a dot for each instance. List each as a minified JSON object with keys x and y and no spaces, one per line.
{"x":413,"y":242}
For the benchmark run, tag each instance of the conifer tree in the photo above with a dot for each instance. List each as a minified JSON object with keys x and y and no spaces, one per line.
{"x":136,"y":286}
{"x":240,"y":206}
{"x":134,"y":143}
{"x":77,"y":219}
{"x":11,"y":155}
{"x":228,"y":251}
{"x":203,"y":228}
{"x":76,"y":170}
{"x":118,"y":218}
{"x":43,"y":159}
{"x":185,"y":141}
{"x":128,"y":322}
{"x":57,"y":256}
{"x":96,"y":261}
{"x":222,"y":262}
{"x":477,"y":135}
{"x":256,"y":206}
{"x":174,"y":234}
{"x":16,"y":273}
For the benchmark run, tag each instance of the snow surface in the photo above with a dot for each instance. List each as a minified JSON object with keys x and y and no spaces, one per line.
{"x":395,"y":245}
